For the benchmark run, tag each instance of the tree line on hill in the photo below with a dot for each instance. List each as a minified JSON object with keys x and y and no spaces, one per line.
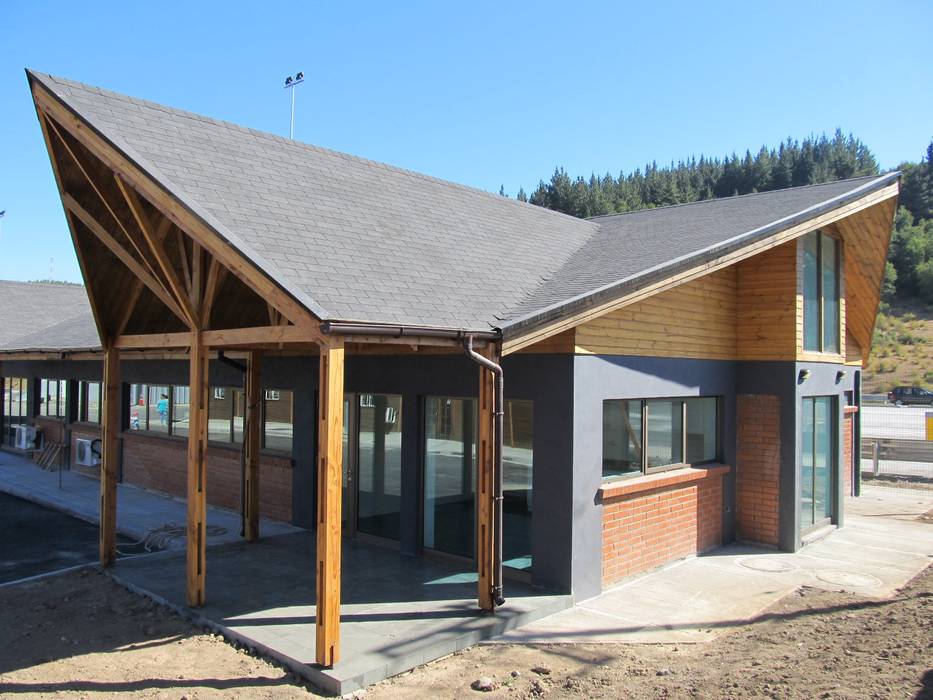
{"x":793,"y":163}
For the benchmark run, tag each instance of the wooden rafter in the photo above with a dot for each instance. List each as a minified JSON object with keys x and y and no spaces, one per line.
{"x":172,"y":208}
{"x":104,"y":200}
{"x":157,"y":248}
{"x":230,"y":337}
{"x":95,"y":309}
{"x":130,"y":306}
{"x":104,"y":236}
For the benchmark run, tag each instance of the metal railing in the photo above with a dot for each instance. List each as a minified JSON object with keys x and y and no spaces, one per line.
{"x":895,"y":450}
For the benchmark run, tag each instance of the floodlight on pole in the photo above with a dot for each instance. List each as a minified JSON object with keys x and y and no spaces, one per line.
{"x":293,"y":82}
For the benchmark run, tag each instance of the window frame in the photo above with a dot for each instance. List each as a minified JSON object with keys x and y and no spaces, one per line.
{"x":83,"y":387}
{"x":61,"y":388}
{"x":818,"y":235}
{"x":644,"y":469}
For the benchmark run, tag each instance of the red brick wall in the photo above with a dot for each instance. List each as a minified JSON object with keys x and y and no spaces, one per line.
{"x":52,"y":428}
{"x":758,"y":467}
{"x":847,"y":465}
{"x":84,"y":431}
{"x":159,"y":463}
{"x":643,"y":530}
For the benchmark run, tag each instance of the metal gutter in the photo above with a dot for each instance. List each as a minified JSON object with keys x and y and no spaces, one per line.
{"x":404,"y":331}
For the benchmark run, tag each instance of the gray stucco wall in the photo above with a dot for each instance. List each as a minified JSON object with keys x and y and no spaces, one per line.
{"x":597,"y":378}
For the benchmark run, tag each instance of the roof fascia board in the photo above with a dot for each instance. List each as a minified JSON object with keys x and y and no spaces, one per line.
{"x":144,"y":175}
{"x":538,"y":325}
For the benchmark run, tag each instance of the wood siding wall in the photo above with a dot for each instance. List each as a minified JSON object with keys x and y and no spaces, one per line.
{"x":696,"y":319}
{"x":767,"y":317}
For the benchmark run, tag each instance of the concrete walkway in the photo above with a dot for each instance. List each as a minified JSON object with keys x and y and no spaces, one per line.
{"x":139,"y":512}
{"x":883,"y":545}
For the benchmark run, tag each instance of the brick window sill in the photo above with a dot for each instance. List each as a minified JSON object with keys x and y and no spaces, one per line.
{"x":661,"y":480}
{"x":849,"y":410}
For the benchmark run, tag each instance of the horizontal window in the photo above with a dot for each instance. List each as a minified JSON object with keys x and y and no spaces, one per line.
{"x":645,"y":435}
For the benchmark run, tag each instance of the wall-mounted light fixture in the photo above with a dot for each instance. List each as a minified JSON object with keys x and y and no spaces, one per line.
{"x":840,"y":375}
{"x":803,"y":376}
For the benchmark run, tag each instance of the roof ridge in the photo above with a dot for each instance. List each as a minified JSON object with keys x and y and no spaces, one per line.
{"x":733,"y":197}
{"x":67,"y":82}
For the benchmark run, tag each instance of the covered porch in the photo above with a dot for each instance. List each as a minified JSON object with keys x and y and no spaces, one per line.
{"x":396,"y":613}
{"x":165,"y":281}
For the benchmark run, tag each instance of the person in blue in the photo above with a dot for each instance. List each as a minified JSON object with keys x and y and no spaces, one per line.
{"x":163,"y":409}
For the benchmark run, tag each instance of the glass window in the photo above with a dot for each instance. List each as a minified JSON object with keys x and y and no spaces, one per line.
{"x":665,"y":433}
{"x":821,"y":306}
{"x":89,"y":403}
{"x":817,"y":459}
{"x":277,"y":420}
{"x":449,"y":475}
{"x":622,"y":438}
{"x":517,"y":472}
{"x":379,"y":495}
{"x":702,"y":430}
{"x":829,"y":260}
{"x":220,"y":415}
{"x":640,"y":436}
{"x":139,"y":409}
{"x":15,"y":400}
{"x":179,"y":410}
{"x":53,"y":398}
{"x":157,"y":408}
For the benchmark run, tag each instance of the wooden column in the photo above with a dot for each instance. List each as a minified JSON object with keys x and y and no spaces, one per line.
{"x":329,"y":466}
{"x":485,"y":454}
{"x":197,"y":472}
{"x":109,"y":456}
{"x":253,"y":443}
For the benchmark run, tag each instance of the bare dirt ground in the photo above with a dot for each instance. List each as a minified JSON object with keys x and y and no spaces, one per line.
{"x":80,"y":635}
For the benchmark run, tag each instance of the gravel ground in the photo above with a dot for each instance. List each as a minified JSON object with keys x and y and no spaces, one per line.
{"x":80,"y":635}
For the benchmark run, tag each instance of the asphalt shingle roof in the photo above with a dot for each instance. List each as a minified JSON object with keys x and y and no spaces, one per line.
{"x":357,"y":240}
{"x":42,"y":316}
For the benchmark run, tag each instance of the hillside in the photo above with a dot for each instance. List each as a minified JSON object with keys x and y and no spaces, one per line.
{"x":902,"y":348}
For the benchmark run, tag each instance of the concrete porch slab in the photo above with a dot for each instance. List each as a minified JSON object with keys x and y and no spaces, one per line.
{"x":396,"y":613}
{"x":883,"y":545}
{"x":139,"y":512}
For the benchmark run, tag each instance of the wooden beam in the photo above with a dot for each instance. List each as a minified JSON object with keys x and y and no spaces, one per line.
{"x":259,"y":336}
{"x":197,"y":473}
{"x":176,"y":286}
{"x":485,"y":471}
{"x":329,"y":468}
{"x":215,"y":275}
{"x":95,"y":227}
{"x":110,"y":431}
{"x":95,"y":310}
{"x":537,"y":334}
{"x":253,"y":443}
{"x":130,"y":307}
{"x":170,"y":206}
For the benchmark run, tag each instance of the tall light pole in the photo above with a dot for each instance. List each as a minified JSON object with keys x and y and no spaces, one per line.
{"x":291,"y":83}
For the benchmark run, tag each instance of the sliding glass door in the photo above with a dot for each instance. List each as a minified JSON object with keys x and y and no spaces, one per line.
{"x":817,"y":460}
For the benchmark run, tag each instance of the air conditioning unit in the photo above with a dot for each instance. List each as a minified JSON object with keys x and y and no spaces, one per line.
{"x":85,"y":453}
{"x":25,"y":437}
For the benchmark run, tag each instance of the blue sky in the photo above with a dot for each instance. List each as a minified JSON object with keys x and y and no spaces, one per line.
{"x":480,"y":93}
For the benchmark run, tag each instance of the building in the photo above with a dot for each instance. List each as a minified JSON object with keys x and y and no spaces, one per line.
{"x":316,"y":337}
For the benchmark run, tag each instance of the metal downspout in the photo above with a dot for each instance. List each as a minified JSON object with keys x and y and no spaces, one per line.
{"x":498,"y":411}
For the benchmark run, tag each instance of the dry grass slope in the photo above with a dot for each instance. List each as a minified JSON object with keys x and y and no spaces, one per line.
{"x":902,"y":348}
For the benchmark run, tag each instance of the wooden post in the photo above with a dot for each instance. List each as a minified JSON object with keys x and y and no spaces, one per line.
{"x":110,"y":431}
{"x":484,"y":486}
{"x":253,"y":443}
{"x":329,"y":466}
{"x":197,"y":472}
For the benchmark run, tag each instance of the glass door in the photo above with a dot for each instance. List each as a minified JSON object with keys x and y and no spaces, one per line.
{"x":379,"y":465}
{"x":817,"y":461}
{"x":450,"y":476}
